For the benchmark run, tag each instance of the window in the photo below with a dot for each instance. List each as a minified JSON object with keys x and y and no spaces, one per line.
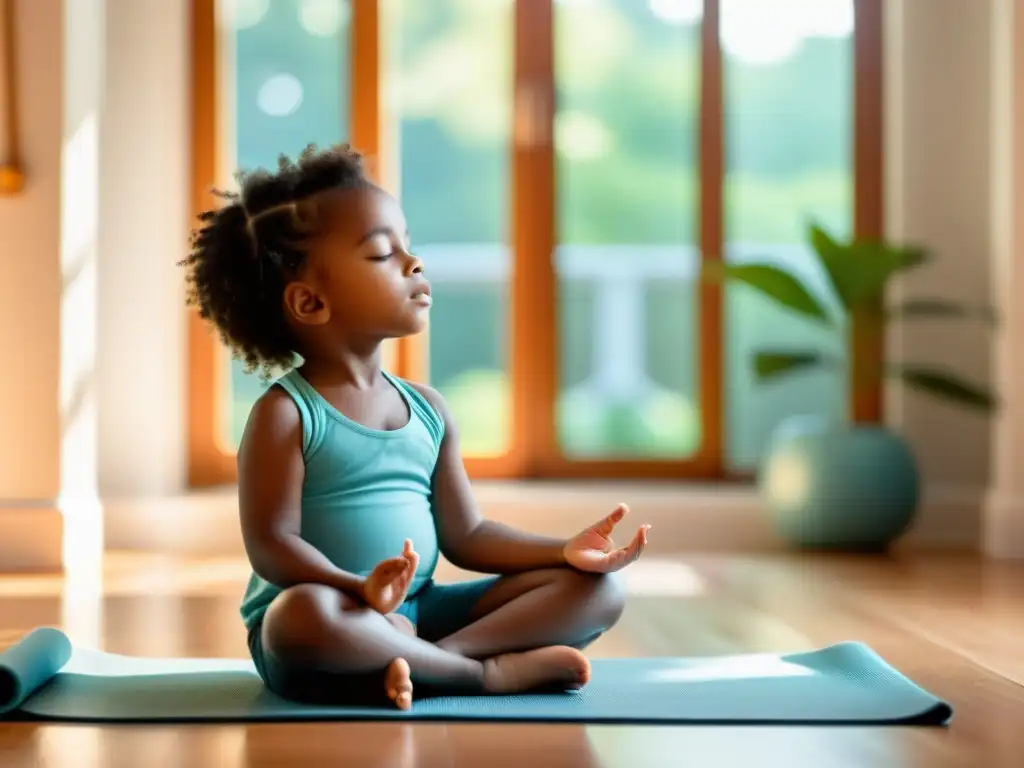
{"x":448,"y":77}
{"x":788,"y":87}
{"x":565,"y":165}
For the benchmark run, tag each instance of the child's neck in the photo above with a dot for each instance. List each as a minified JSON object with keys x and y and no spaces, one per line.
{"x":343,"y":367}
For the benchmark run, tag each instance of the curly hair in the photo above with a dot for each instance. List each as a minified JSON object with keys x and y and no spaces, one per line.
{"x":244,"y":253}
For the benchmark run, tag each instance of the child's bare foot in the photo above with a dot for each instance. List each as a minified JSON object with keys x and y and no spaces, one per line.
{"x":556,"y":665}
{"x":397,"y":683}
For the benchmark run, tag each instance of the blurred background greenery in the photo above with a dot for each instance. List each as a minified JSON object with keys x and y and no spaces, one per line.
{"x":628,"y":195}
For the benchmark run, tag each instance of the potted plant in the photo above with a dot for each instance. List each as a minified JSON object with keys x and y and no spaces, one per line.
{"x":847,"y":484}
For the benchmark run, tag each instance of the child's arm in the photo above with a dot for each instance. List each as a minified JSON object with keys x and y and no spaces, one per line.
{"x":471,"y":542}
{"x":270,"y":474}
{"x":467,"y":539}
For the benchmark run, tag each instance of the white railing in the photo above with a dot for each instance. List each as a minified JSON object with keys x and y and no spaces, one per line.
{"x":619,"y":274}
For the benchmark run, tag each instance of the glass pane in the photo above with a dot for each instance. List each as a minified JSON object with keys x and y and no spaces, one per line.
{"x":627,"y":203}
{"x":284,"y":76}
{"x":788,"y":69}
{"x":451,"y":94}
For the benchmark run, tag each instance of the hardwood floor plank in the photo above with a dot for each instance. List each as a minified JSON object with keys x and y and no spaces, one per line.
{"x":822,"y":599}
{"x":952,"y":625}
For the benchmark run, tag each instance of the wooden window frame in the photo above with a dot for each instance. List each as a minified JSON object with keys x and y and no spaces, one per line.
{"x":533,"y":361}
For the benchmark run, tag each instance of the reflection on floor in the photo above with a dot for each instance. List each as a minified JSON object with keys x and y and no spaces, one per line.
{"x":952,"y":624}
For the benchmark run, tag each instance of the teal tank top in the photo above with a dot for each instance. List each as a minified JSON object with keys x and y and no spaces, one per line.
{"x":365,"y":490}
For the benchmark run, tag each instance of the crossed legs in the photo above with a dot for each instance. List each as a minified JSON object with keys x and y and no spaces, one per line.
{"x":522,"y":634}
{"x":552,"y":606}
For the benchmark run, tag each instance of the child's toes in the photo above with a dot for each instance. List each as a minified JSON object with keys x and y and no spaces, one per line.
{"x":398,"y":684}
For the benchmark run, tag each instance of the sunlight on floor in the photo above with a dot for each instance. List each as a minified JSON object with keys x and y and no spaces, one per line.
{"x":743,"y":667}
{"x":124,"y":575}
{"x":656,"y":577}
{"x":130,"y":574}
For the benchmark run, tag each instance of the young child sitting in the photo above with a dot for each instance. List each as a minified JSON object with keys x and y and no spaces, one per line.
{"x":351,"y":481}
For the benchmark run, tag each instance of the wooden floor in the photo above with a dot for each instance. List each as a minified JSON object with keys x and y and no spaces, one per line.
{"x":955,"y":625}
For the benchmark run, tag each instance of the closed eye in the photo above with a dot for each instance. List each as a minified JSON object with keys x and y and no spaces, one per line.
{"x":381,"y":258}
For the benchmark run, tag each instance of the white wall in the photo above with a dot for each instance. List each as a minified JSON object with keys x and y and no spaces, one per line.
{"x":1004,"y":520}
{"x":30,"y":281}
{"x":940,"y":151}
{"x":136,"y":119}
{"x":956,"y":183}
{"x":49,"y":512}
{"x":940,"y":105}
{"x":91,"y":314}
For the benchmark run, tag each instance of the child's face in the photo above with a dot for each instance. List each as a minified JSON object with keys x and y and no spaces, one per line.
{"x":360,"y":282}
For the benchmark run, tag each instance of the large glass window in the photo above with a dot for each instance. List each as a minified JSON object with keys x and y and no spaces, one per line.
{"x":788,"y":115}
{"x":450,"y":92}
{"x":627,"y":76}
{"x":619,"y":161}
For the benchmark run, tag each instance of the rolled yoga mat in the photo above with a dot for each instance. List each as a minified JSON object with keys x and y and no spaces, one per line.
{"x":43,"y":677}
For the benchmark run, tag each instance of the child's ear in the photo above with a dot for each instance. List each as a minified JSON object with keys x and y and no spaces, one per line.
{"x":305,"y":304}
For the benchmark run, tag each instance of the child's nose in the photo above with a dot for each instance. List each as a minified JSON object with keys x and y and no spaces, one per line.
{"x":414,"y":265}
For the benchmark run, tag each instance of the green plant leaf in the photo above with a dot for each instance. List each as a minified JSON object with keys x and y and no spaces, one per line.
{"x":831,"y":255}
{"x":860,"y":270}
{"x":873,"y":265}
{"x":938,"y":308}
{"x":769,"y":365}
{"x":772,"y":281}
{"x":945,"y":386}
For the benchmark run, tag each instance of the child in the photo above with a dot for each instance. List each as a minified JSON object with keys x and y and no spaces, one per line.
{"x":351,"y":482}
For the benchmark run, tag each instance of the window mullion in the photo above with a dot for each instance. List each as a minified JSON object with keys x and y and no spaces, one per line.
{"x":534,"y":332}
{"x":710,"y":215}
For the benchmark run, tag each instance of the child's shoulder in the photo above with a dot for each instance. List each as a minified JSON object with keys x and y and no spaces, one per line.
{"x":279,"y":397}
{"x":275,"y":402}
{"x":272,"y":417}
{"x":431,"y":395}
{"x":432,"y":405}
{"x":289,"y":403}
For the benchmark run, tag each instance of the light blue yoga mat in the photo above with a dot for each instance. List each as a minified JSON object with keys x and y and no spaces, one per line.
{"x":44,"y":678}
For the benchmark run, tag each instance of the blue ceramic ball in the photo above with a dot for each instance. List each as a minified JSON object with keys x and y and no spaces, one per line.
{"x":830,"y":485}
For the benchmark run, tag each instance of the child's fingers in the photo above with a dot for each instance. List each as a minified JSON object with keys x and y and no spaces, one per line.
{"x":615,"y":560}
{"x":391,"y":566}
{"x":411,"y":564}
{"x":636,"y":547}
{"x":605,"y":526}
{"x":399,"y":571}
{"x":403,"y":581}
{"x":620,"y":558}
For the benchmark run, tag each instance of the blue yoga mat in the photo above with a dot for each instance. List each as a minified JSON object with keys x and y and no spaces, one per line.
{"x":43,"y":677}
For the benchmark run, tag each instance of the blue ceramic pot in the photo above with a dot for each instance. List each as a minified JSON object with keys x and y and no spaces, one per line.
{"x":829,"y":485}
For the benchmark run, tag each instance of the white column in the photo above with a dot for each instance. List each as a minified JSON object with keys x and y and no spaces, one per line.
{"x":1003,"y":524}
{"x":144,"y":221}
{"x":83,"y":23}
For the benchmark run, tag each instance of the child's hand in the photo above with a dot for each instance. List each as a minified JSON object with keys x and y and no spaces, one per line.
{"x":388,"y":584}
{"x":594,"y":551}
